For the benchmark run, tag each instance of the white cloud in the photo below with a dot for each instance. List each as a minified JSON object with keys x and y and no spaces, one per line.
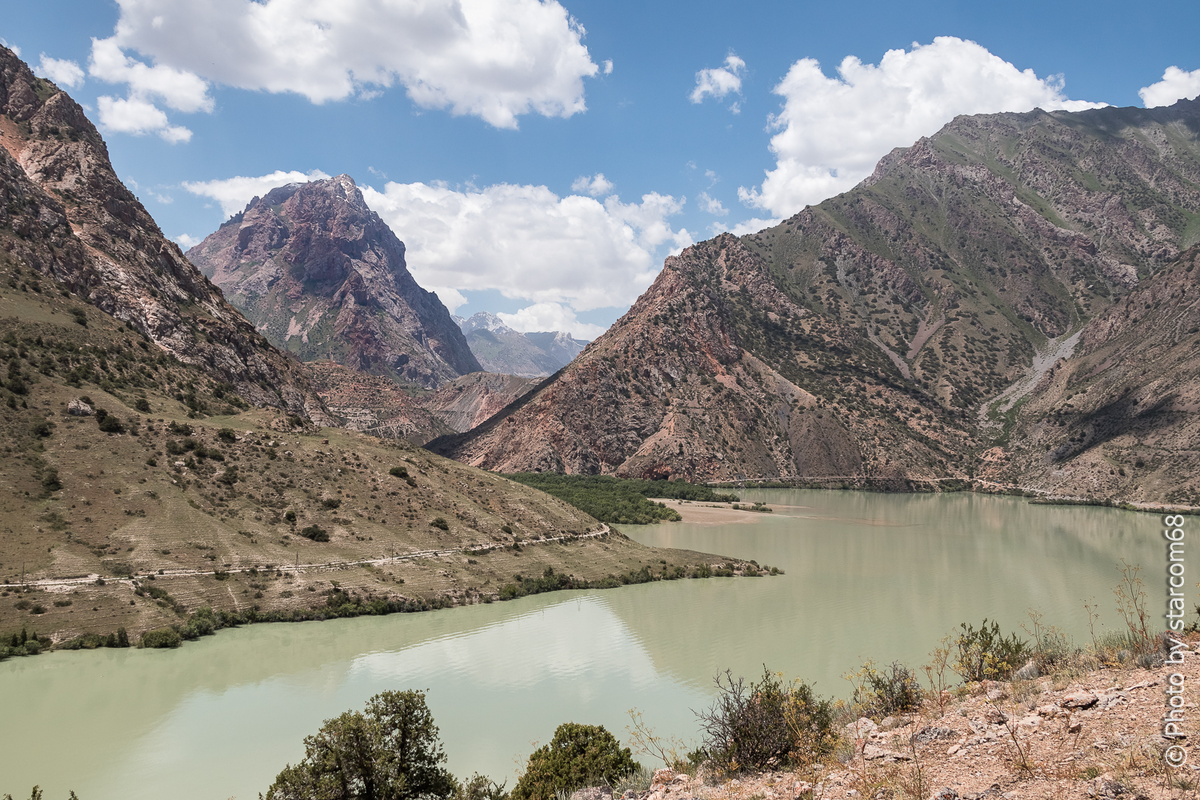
{"x":608,"y":67}
{"x":832,"y":131}
{"x":1175,"y":85}
{"x":595,"y":186}
{"x":711,"y":205}
{"x":136,"y":116}
{"x":179,"y":89}
{"x":62,"y":71}
{"x":451,"y":298}
{"x":187,"y":241}
{"x":529,"y":243}
{"x":752,"y":225}
{"x":495,"y":59}
{"x":16,"y":50}
{"x":234,"y":193}
{"x":720,"y":81}
{"x":551,"y":317}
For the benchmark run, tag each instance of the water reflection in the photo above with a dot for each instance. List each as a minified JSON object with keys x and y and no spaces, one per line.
{"x":868,"y":575}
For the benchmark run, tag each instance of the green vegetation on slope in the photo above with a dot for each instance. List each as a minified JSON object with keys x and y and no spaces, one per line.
{"x":618,"y":500}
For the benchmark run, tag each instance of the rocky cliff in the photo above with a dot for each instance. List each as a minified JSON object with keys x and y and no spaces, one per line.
{"x":65,"y":215}
{"x":871,"y":336}
{"x":321,"y":275}
{"x":503,"y":350}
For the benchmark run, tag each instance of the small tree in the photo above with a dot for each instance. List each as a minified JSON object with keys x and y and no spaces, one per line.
{"x":389,"y":752}
{"x":577,"y":756}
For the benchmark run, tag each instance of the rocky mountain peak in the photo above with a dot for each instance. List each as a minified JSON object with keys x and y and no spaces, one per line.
{"x":320,"y":274}
{"x":483,"y":320}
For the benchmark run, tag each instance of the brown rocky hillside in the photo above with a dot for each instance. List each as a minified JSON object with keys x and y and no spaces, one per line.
{"x":322,"y":276}
{"x":871,"y":337}
{"x":66,"y":217}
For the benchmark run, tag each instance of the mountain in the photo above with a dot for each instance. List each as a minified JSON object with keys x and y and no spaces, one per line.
{"x":322,"y":276}
{"x":467,"y":401}
{"x":1118,"y":419}
{"x":503,"y":350}
{"x":870,"y":338}
{"x":66,"y":217}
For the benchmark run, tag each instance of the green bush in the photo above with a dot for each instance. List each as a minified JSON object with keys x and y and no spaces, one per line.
{"x":985,"y":654}
{"x":895,"y":690}
{"x":767,"y":724}
{"x":161,"y":637}
{"x":389,"y":752}
{"x":227,"y":435}
{"x":398,"y":472}
{"x":440,"y":523}
{"x":316,"y":533}
{"x":577,"y":756}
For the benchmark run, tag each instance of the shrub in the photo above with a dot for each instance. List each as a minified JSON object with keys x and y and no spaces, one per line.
{"x":391,"y":750}
{"x":440,"y":523}
{"x":50,"y":480}
{"x":109,"y":423}
{"x":766,"y":724}
{"x":398,"y":472}
{"x":316,"y":533}
{"x":895,"y":690}
{"x":142,"y":405}
{"x":161,"y":637}
{"x":481,"y":787}
{"x":331,"y":502}
{"x":577,"y":756}
{"x":986,"y":654}
{"x":229,"y":477}
{"x":227,"y":435}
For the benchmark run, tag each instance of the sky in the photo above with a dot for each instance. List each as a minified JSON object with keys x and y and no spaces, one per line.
{"x":540,"y":158}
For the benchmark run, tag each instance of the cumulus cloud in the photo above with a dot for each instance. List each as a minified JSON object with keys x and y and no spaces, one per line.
{"x":711,"y":205}
{"x":187,"y":241}
{"x":16,"y":50}
{"x":720,"y":81}
{"x":832,"y":131}
{"x":62,"y":71}
{"x":1176,"y":84}
{"x":596,"y":185}
{"x":752,"y":225}
{"x":551,"y":317}
{"x":495,"y":59}
{"x":608,"y":67}
{"x":137,"y":116}
{"x":451,"y":298}
{"x":529,"y":243}
{"x":233,"y":194}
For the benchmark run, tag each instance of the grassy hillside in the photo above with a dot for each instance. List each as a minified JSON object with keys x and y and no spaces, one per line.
{"x":174,"y":494}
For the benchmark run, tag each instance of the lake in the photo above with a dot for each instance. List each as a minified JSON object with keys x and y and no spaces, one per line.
{"x":867,"y":576}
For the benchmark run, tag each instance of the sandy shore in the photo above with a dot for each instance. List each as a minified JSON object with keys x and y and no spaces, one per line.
{"x":720,"y":513}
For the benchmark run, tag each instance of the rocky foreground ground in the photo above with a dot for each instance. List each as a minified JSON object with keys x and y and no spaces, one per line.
{"x":1094,"y":736}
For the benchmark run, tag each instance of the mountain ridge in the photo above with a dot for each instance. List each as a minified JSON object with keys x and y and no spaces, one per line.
{"x":867,"y":337}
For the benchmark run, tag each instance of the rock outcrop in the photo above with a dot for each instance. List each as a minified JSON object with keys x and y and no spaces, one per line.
{"x":322,"y":276}
{"x":66,"y":215}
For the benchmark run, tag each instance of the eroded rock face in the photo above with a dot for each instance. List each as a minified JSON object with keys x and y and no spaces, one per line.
{"x":74,"y":221}
{"x":865,"y":339}
{"x":322,"y":276}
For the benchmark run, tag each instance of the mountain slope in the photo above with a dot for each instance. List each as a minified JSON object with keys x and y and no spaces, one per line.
{"x":866,"y":337}
{"x":65,"y":215}
{"x":321,"y":275}
{"x":1118,"y":419}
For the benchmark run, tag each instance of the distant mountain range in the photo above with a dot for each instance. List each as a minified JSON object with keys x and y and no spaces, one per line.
{"x":884,"y":335}
{"x":501,"y":349}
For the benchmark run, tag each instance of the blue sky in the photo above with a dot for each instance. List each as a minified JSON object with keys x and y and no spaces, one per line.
{"x":540,"y":159}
